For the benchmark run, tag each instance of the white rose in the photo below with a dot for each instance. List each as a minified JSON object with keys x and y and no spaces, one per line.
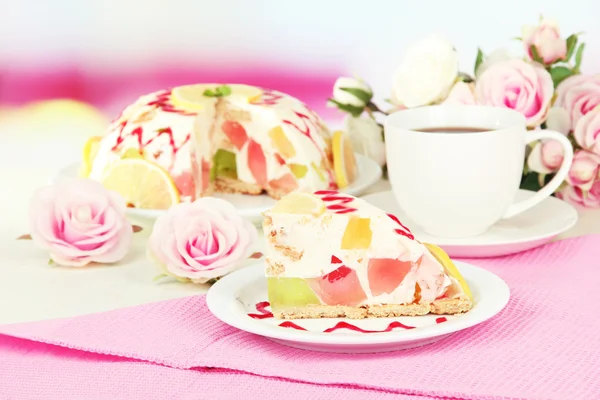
{"x":501,"y":54}
{"x":351,"y":91}
{"x":366,"y":137}
{"x":427,"y":73}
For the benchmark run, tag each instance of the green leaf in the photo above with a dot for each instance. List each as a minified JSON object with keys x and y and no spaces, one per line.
{"x":350,"y":109}
{"x":209,"y":93}
{"x":571,"y":44}
{"x":535,"y":55}
{"x":224,"y":90}
{"x":559,"y":74}
{"x":360,"y":94}
{"x":478,"y":60}
{"x":578,"y":56}
{"x":530,"y":182}
{"x":534,"y":181}
{"x":50,"y":262}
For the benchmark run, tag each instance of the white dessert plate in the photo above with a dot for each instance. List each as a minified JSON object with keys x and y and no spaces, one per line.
{"x":251,"y":207}
{"x":532,"y":228}
{"x":240,"y":300}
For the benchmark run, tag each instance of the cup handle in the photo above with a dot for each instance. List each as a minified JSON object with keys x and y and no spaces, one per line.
{"x":558,"y":179}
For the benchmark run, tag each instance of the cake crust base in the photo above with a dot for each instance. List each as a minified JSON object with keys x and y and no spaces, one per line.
{"x":443,"y":306}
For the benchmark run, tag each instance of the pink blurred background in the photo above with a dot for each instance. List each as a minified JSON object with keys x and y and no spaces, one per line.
{"x":108,"y":52}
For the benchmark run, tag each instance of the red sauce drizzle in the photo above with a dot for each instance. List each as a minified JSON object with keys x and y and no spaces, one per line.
{"x":440,"y":320}
{"x":263,"y":313}
{"x":268,"y":98}
{"x":305,"y":130}
{"x":290,"y":324}
{"x":138,"y":132}
{"x":404,"y":231}
{"x":345,"y":325}
{"x":337,"y":201}
{"x":163,"y":102}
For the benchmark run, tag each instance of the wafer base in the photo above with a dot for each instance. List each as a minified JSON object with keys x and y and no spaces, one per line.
{"x":443,"y":306}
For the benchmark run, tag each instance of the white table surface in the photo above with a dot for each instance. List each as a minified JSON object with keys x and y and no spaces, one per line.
{"x":31,"y":152}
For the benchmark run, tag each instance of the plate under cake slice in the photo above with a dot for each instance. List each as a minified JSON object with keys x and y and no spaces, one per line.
{"x":332,"y":255}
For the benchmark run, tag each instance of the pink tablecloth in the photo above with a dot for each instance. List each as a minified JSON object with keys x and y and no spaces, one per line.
{"x":544,"y":345}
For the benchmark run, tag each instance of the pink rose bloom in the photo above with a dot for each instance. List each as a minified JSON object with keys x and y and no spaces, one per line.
{"x":78,"y":221}
{"x":516,"y":84}
{"x":546,"y":39}
{"x":201,"y":241}
{"x":578,"y":94}
{"x":546,"y":157}
{"x":461,"y":93}
{"x":587,"y":131}
{"x":579,"y":197}
{"x":584,"y":170}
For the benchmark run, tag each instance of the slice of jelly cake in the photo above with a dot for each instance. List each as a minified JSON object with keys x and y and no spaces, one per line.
{"x":331,"y":255}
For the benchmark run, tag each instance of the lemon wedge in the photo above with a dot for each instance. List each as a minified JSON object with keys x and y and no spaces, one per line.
{"x":143,"y":184}
{"x":344,"y":161}
{"x":89,"y":153}
{"x":195,"y":98}
{"x":299,"y":203}
{"x":449,"y":266}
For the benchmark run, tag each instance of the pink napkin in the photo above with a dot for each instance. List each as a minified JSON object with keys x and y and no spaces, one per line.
{"x":544,"y":345}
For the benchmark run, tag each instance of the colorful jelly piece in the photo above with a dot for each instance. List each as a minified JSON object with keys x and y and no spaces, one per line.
{"x":285,"y":183}
{"x":299,"y":170}
{"x":318,"y":171}
{"x":358,"y":234}
{"x":279,"y":159}
{"x":339,"y":287}
{"x":281,"y":142}
{"x":224,"y":164}
{"x":205,"y":175}
{"x":235,"y":132}
{"x":257,"y":163}
{"x":185,"y":184}
{"x":290,"y":292}
{"x":386,"y":274}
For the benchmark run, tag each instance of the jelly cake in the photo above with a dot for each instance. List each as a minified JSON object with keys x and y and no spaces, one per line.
{"x":331,"y":255}
{"x":227,"y":138}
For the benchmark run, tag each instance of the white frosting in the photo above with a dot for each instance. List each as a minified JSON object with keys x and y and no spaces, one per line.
{"x":318,"y":238}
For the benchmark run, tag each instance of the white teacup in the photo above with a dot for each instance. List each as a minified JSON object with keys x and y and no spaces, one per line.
{"x":455,"y":170}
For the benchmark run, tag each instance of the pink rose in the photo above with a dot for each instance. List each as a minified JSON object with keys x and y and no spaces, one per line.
{"x":201,"y":241}
{"x":578,"y":94}
{"x":78,"y":221}
{"x":577,"y":196}
{"x":584,"y":170}
{"x":546,"y":39}
{"x":587,"y":131}
{"x":516,"y":84}
{"x":461,"y":93}
{"x":546,"y":157}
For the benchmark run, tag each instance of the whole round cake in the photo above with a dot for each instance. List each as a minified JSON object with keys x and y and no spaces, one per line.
{"x":191,"y":141}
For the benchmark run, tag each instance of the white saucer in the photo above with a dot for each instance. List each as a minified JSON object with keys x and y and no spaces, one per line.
{"x":251,"y":207}
{"x":234,"y":299}
{"x":530,"y":229}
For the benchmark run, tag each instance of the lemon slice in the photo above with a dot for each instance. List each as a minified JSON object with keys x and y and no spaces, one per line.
{"x":299,"y":203}
{"x":344,"y":161}
{"x":449,"y":266}
{"x":143,"y":184}
{"x":192,"y":97}
{"x":89,"y":153}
